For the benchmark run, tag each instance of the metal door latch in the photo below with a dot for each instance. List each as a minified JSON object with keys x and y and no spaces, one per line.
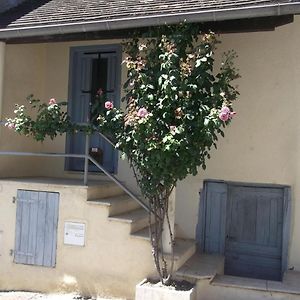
{"x":231,"y":238}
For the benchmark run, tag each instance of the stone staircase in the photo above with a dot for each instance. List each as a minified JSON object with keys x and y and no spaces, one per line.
{"x":123,"y":210}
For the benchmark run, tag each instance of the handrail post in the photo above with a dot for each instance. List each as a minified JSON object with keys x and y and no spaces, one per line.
{"x":86,"y":159}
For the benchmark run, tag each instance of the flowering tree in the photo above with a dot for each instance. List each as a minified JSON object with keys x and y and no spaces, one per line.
{"x":177,"y":105}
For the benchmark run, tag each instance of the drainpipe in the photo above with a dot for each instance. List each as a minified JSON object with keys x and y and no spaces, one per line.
{"x":2,"y":64}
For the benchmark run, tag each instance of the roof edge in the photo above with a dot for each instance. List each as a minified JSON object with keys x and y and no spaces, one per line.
{"x":156,"y":20}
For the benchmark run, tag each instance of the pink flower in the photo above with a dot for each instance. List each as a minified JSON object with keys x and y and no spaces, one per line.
{"x":225,"y":110}
{"x":142,"y":112}
{"x":52,"y":101}
{"x":226,"y":114}
{"x":173,"y":129}
{"x":108,"y":105}
{"x":11,"y":126}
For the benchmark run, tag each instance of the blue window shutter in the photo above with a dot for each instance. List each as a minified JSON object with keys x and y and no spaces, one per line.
{"x":36,"y":228}
{"x":24,"y":253}
{"x":215,"y":215}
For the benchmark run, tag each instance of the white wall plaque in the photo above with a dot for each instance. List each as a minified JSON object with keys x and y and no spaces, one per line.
{"x":74,"y":234}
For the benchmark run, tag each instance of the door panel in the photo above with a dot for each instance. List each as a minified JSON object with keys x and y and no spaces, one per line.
{"x":245,"y":223}
{"x":247,"y":267}
{"x":109,"y":60}
{"x":253,"y":246}
{"x":92,"y":70}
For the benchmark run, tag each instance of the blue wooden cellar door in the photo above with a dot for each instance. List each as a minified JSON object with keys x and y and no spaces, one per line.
{"x":91,"y":69}
{"x":245,"y":223}
{"x":253,"y":244}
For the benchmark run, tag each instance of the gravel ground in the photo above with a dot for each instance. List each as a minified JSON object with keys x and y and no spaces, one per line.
{"x":37,"y":296}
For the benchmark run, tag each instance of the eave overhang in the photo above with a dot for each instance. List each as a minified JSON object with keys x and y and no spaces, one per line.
{"x":202,"y":16}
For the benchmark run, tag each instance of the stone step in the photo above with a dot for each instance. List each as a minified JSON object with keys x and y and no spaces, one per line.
{"x":183,"y":250}
{"x":144,"y":233}
{"x":239,"y":282}
{"x":202,"y":266}
{"x":240,"y":288}
{"x":105,"y":189}
{"x":137,"y":219}
{"x":117,"y":204}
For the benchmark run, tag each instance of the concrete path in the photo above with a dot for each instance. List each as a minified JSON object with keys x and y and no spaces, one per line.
{"x":37,"y":296}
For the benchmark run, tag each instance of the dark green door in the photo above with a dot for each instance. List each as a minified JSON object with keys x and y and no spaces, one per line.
{"x":92,"y":68}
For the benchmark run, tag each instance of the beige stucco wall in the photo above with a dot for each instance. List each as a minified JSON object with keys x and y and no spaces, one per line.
{"x":103,"y":266}
{"x":42,"y":70}
{"x":261,"y":145}
{"x":24,"y":70}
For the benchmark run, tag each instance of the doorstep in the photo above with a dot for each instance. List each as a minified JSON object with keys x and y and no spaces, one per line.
{"x":289,"y":284}
{"x":202,"y":266}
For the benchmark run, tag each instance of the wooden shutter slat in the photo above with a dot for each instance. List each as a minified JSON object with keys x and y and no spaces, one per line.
{"x":55,"y":198}
{"x":23,"y":228}
{"x":200,"y":230}
{"x":18,"y":229}
{"x":39,"y":258}
{"x":50,"y":229}
{"x":287,"y":212}
{"x":216,"y":201}
{"x":32,"y":242}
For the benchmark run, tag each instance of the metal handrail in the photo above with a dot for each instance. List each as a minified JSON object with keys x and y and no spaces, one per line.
{"x":115,"y":179}
{"x":106,"y":138}
{"x":87,"y":158}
